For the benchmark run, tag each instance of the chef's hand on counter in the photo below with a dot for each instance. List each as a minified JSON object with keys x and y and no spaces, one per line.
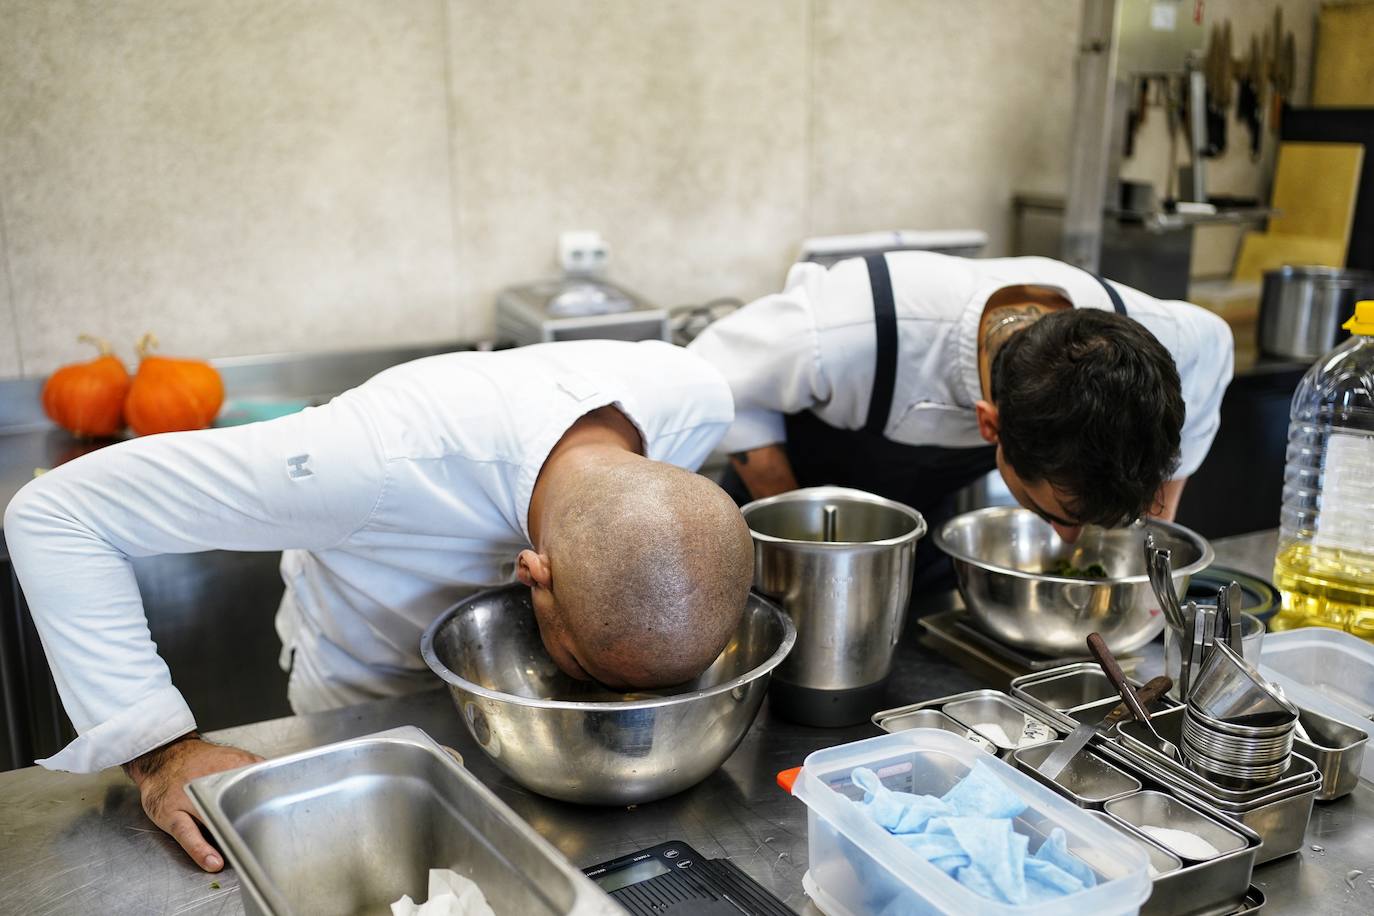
{"x":161,"y":776}
{"x":765,"y":471}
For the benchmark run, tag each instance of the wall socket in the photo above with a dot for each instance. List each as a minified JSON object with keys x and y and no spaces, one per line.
{"x":582,"y":252}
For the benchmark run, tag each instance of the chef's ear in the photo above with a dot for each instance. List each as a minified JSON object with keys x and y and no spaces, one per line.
{"x":987,"y":421}
{"x":533,"y":569}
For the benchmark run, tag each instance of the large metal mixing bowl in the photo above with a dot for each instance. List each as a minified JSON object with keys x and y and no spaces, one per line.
{"x":573,"y":741}
{"x":1000,"y":556}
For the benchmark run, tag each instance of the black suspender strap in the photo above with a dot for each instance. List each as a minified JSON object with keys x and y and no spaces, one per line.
{"x":885,"y":356}
{"x":1112,"y":294}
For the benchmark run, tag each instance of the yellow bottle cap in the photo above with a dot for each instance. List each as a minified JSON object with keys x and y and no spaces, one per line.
{"x":1362,"y":322}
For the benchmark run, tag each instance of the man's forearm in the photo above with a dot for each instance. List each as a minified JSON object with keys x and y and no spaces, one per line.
{"x":766,"y":471}
{"x":146,"y":764}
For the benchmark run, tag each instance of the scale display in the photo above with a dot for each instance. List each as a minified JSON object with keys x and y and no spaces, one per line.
{"x":673,"y":879}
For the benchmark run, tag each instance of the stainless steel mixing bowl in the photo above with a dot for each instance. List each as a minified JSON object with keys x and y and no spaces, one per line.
{"x":573,"y":741}
{"x":1000,"y":557}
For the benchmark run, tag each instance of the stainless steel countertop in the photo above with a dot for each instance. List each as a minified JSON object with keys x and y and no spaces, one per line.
{"x":80,"y":844}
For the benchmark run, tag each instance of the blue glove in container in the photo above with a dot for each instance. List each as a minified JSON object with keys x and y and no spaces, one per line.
{"x":858,"y":868}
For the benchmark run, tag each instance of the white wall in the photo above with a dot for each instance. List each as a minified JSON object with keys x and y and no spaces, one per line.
{"x":262,"y":175}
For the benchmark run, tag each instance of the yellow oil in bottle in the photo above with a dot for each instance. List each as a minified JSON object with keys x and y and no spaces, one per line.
{"x":1325,"y":587}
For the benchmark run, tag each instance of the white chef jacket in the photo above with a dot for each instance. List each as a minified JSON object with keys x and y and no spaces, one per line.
{"x":812,"y":347}
{"x":391,"y":502}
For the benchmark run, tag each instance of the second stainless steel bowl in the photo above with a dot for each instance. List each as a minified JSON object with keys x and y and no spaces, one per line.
{"x":1003,"y":556}
{"x":560,"y":738}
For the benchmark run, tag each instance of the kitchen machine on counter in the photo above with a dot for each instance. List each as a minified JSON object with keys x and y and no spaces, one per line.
{"x":839,"y":561}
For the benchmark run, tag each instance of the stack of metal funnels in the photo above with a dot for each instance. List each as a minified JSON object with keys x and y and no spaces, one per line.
{"x":1236,"y":729}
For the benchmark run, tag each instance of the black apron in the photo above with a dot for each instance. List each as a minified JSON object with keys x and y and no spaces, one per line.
{"x":925,"y":477}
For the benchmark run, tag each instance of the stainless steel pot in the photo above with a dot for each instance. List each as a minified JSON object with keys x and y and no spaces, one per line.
{"x":1302,"y":308}
{"x":839,"y":561}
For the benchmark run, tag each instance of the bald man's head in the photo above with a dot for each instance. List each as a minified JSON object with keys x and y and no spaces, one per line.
{"x":649,"y":568}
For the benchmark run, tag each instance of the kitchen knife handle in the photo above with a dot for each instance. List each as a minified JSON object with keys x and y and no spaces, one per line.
{"x":1098,"y":647}
{"x":1154,"y":688}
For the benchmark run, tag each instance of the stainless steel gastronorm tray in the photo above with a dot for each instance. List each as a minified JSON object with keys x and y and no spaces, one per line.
{"x":350,"y":827}
{"x":970,"y":705}
{"x":1218,"y":886}
{"x":1278,"y":813}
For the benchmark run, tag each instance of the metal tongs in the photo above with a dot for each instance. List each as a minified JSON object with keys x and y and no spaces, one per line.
{"x":1199,"y":626}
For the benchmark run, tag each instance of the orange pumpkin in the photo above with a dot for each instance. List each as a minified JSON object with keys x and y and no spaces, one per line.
{"x":169,"y":395}
{"x":88,"y":398}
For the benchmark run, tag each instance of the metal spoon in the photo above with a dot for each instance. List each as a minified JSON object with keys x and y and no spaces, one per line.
{"x":1098,"y":646}
{"x":1159,"y":565}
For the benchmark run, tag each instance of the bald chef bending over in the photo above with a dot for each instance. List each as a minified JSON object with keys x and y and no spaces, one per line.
{"x":391,"y":502}
{"x":913,"y":374}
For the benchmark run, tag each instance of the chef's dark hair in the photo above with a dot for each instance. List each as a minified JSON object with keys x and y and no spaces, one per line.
{"x":1091,"y":402}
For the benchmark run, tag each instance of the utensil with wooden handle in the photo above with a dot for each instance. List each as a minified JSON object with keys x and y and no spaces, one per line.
{"x":1098,"y":647}
{"x":1069,"y":748}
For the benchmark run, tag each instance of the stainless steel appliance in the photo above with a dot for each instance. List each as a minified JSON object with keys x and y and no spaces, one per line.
{"x":576,"y":307}
{"x":839,"y":562}
{"x":1302,"y":309}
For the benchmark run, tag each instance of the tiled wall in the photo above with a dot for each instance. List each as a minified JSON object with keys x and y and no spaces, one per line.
{"x":263,"y":175}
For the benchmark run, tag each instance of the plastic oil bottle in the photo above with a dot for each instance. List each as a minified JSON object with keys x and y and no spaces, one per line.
{"x":1325,"y":565}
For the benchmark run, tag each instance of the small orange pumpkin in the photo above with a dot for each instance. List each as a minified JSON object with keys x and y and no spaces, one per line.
{"x":170,"y":395}
{"x":88,"y":398}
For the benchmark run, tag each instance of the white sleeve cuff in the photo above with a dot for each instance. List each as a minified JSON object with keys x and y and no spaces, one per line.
{"x":149,"y":723}
{"x":753,"y":428}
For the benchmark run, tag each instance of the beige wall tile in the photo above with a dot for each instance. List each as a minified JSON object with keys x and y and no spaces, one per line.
{"x":929,"y":114}
{"x":239,"y":177}
{"x":676,"y":129}
{"x":11,"y":356}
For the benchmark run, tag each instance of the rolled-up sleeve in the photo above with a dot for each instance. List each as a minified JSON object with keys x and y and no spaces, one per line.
{"x":768,"y":353}
{"x":308,"y":480}
{"x":1206,"y":361}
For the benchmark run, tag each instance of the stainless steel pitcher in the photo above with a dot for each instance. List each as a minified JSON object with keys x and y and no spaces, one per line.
{"x":839,"y":561}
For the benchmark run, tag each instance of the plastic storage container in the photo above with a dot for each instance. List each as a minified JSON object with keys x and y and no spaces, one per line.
{"x":1325,"y":566}
{"x":858,"y":868}
{"x":1327,"y":672}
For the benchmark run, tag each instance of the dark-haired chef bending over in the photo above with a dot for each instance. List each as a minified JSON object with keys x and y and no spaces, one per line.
{"x":912,"y":374}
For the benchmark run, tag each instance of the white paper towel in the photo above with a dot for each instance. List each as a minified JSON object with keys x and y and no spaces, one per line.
{"x":450,"y":894}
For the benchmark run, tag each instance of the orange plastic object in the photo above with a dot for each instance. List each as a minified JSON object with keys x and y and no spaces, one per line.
{"x":787,"y":777}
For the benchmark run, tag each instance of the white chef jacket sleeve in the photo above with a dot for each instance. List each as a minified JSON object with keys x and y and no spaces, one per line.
{"x":303,"y":481}
{"x":769,"y":354}
{"x":1206,"y":360}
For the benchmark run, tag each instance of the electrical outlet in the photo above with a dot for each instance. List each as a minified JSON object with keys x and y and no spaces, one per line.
{"x":582,"y":252}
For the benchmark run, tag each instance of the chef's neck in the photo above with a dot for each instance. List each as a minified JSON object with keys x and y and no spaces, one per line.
{"x":601,"y":436}
{"x":1008,"y":311}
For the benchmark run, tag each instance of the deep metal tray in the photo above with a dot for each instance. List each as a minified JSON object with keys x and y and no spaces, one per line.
{"x":350,"y":827}
{"x":884,"y":719}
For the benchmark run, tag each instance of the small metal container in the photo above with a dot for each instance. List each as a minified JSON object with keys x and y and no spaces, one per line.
{"x":1302,"y":309}
{"x":1211,"y":887}
{"x":931,"y":718}
{"x":350,"y":827}
{"x":1080,"y":687}
{"x":1156,"y":809}
{"x":1088,"y":780}
{"x":1161,"y":860}
{"x":1337,"y":750}
{"x":1021,"y":728}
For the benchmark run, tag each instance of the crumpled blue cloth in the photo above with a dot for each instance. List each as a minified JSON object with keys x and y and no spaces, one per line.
{"x":969,"y":835}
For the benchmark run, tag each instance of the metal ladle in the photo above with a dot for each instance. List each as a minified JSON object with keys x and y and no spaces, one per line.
{"x":1098,"y":646}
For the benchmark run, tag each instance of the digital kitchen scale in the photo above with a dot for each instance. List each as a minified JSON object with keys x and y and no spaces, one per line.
{"x":673,"y":879}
